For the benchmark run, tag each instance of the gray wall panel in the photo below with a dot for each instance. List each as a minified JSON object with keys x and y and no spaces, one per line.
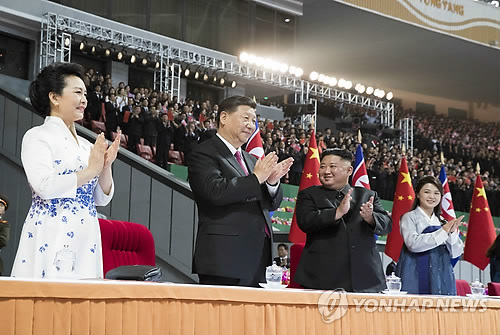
{"x":120,"y":203}
{"x":140,"y":194}
{"x":37,"y":120}
{"x":2,"y":116}
{"x":160,"y":220}
{"x":10,"y":126}
{"x":23,"y":124}
{"x":182,"y":228}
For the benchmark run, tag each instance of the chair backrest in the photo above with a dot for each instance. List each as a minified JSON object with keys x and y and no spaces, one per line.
{"x":125,"y":243}
{"x":97,"y":126}
{"x":494,"y":289}
{"x":463,"y":287}
{"x":295,"y":253}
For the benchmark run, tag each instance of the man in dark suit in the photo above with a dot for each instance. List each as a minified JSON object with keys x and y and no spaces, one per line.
{"x":340,"y":222}
{"x":234,"y":193}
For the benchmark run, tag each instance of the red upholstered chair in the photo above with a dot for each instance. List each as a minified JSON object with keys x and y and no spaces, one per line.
{"x":494,"y":289}
{"x":463,"y":287}
{"x":295,"y":253}
{"x":125,"y":243}
{"x":98,"y":127}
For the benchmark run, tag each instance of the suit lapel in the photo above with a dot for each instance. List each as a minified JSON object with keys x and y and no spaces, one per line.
{"x":226,"y":154}
{"x":249,"y":160}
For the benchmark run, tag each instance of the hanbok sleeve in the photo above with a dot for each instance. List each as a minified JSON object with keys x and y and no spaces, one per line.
{"x":414,"y":240}
{"x":455,"y":245}
{"x":37,"y":159}
{"x":100,"y":198}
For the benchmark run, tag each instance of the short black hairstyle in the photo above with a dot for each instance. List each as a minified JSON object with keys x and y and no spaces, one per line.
{"x":283,"y":245}
{"x":51,"y":79}
{"x":344,"y":154}
{"x":229,"y":105}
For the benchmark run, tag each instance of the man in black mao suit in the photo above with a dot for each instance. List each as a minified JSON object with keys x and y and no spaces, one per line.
{"x":340,"y":222}
{"x":233,"y":244}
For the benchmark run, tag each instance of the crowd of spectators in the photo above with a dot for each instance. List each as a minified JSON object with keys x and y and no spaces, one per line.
{"x":168,"y":125}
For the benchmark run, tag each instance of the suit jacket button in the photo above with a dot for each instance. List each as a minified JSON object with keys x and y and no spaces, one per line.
{"x":354,"y":247}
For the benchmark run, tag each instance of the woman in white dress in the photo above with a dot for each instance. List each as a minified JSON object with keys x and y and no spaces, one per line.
{"x":431,"y":244}
{"x":68,"y":176}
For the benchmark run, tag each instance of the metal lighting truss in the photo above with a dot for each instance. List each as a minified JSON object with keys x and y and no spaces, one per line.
{"x":52,"y":43}
{"x":168,"y":79}
{"x":406,"y":137}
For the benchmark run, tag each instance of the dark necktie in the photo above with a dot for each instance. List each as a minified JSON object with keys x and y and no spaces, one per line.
{"x":240,"y":161}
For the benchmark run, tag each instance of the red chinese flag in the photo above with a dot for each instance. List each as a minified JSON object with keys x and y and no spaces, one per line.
{"x":403,"y":200}
{"x":481,"y":231}
{"x":309,"y":178}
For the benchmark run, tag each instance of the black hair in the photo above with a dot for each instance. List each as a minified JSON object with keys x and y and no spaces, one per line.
{"x":283,"y":245}
{"x":344,"y":154}
{"x":51,"y":79}
{"x":230,"y":105}
{"x":494,"y":250}
{"x":421,"y":183}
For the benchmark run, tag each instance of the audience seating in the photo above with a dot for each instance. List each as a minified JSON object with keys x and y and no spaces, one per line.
{"x":145,"y":152}
{"x":125,"y":243}
{"x":176,"y":157}
{"x":494,"y":289}
{"x":295,"y":253}
{"x":463,"y":287}
{"x":98,"y":127}
{"x":123,"y":139}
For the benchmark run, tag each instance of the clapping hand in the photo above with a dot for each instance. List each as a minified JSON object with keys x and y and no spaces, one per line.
{"x":453,"y":224}
{"x":265,"y":167}
{"x":96,"y":158}
{"x":280,"y":170}
{"x":112,"y":151}
{"x":366,"y":211}
{"x":344,"y":206}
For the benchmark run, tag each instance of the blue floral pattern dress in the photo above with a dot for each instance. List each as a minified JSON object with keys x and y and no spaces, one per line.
{"x":62,"y":216}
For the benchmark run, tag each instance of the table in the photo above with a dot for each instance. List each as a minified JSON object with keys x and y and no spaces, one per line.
{"x":120,"y":307}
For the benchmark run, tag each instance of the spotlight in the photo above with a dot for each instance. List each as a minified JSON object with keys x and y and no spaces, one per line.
{"x":205,"y":77}
{"x":299,"y":72}
{"x":259,"y":61}
{"x":82,"y":45}
{"x":197,"y":74}
{"x":107,"y":52}
{"x":233,"y":84}
{"x":186,"y":72}
{"x":283,"y":67}
{"x":389,"y":96}
{"x":214,"y":79}
{"x":348,"y":84}
{"x":314,"y":75}
{"x":251,"y":59}
{"x":222,"y":81}
{"x":93,"y":49}
{"x":342,"y":82}
{"x":244,"y":57}
{"x":369,"y":90}
{"x":157,"y":65}
{"x":144,"y":61}
{"x":381,"y":94}
{"x":287,"y":20}
{"x":119,"y":55}
{"x":495,"y":3}
{"x":133,"y":59}
{"x":361,"y":89}
{"x":67,"y":41}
